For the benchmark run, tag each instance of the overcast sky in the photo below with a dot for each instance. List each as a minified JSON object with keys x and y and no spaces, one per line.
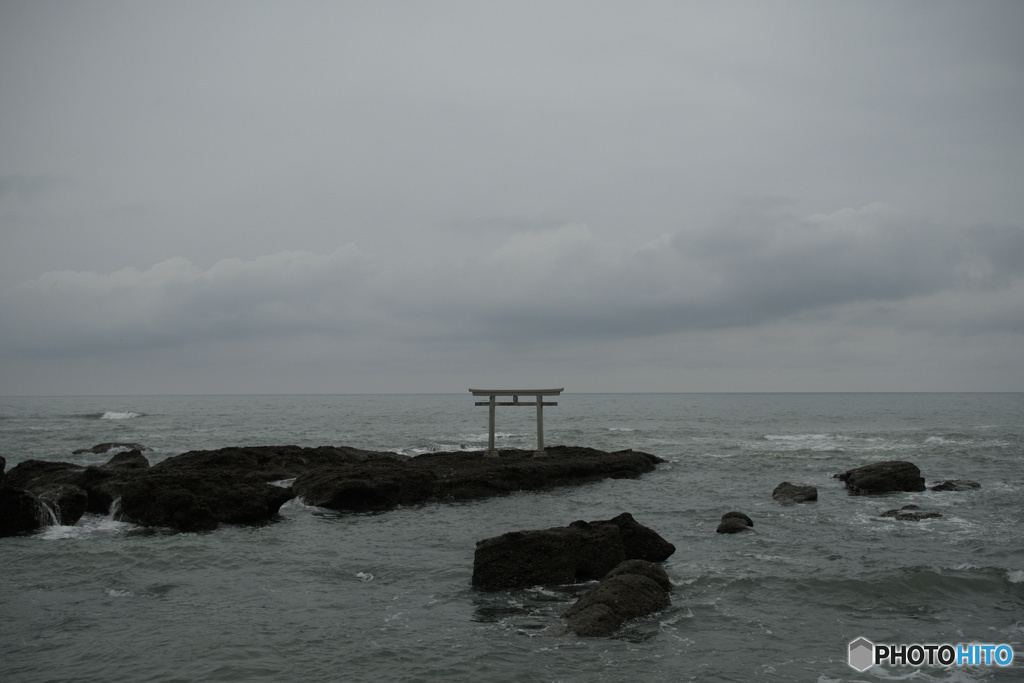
{"x":255,"y":197}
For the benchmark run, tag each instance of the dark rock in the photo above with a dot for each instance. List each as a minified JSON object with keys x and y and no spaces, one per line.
{"x":626,"y":593}
{"x":733,"y":523}
{"x":67,"y":503}
{"x":582,"y":551}
{"x":101,"y":448}
{"x":956,"y":485}
{"x":128,"y":460}
{"x":381,"y":483}
{"x":200,"y":489}
{"x":910,"y":513}
{"x":790,"y":494}
{"x":3,"y":466}
{"x":655,"y":572}
{"x":19,"y":511}
{"x":198,"y":502}
{"x":883,"y":477}
{"x":738,"y":515}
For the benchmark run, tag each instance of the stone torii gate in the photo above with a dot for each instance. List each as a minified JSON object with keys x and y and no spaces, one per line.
{"x":515,"y":394}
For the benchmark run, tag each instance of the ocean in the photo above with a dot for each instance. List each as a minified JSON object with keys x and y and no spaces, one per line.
{"x":317,"y":595}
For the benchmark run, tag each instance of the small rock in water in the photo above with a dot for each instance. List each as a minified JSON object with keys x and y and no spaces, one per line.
{"x":733,"y":523}
{"x":910,"y":513}
{"x":956,"y":485}
{"x":790,"y":494}
{"x":107,"y":447}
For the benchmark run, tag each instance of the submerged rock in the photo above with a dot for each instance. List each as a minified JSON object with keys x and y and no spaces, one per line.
{"x":101,"y":448}
{"x":883,"y":477}
{"x":956,"y":485}
{"x":790,"y":494}
{"x":910,"y":513}
{"x":582,"y":551}
{"x":632,"y":589}
{"x":734,"y":522}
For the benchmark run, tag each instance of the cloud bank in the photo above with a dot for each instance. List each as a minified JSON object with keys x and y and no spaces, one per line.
{"x":564,"y":285}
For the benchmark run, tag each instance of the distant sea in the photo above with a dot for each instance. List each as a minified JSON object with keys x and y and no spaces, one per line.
{"x":321,"y":596}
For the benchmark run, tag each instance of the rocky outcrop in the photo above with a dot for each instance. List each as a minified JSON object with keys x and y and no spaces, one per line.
{"x":382,"y":483}
{"x":19,"y":511}
{"x":883,"y":477}
{"x":101,"y":448}
{"x":198,"y":501}
{"x":128,"y":460}
{"x":632,"y":589}
{"x":582,"y":551}
{"x":200,"y":489}
{"x":956,"y":485}
{"x":67,"y":504}
{"x":791,"y":494}
{"x":733,"y":523}
{"x":910,"y":513}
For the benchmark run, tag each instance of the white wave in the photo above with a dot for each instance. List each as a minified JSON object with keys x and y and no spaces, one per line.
{"x":116,"y":593}
{"x":115,"y":415}
{"x":943,"y":441}
{"x":364,"y":576}
{"x":88,"y":525}
{"x":1016,"y":576}
{"x":437,"y":448}
{"x":621,"y":429}
{"x":283,"y":483}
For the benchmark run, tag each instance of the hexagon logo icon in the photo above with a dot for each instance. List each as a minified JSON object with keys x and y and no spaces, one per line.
{"x":862,"y":654}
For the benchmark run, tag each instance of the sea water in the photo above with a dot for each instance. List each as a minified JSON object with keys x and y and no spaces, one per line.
{"x":317,"y":595}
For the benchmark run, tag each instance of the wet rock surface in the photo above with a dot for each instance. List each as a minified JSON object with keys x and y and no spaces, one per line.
{"x":733,"y":523}
{"x":632,"y":589}
{"x":582,"y":551}
{"x":910,"y":513}
{"x":956,"y":485}
{"x":101,"y":448}
{"x":883,"y":477}
{"x":198,"y":490}
{"x":381,"y":483}
{"x":791,"y":494}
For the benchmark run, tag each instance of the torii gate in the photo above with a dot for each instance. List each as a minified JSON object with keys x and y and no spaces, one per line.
{"x":515,"y":394}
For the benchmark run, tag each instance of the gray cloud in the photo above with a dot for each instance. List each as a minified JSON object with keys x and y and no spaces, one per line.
{"x":787,"y":196}
{"x":563,"y":284}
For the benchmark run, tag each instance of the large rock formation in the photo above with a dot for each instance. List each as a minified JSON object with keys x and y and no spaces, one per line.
{"x":582,"y":551}
{"x":200,"y":489}
{"x":382,"y":483}
{"x":883,"y":477}
{"x":632,"y":589}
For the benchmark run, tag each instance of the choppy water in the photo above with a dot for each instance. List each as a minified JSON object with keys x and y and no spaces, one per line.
{"x":322,"y":596}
